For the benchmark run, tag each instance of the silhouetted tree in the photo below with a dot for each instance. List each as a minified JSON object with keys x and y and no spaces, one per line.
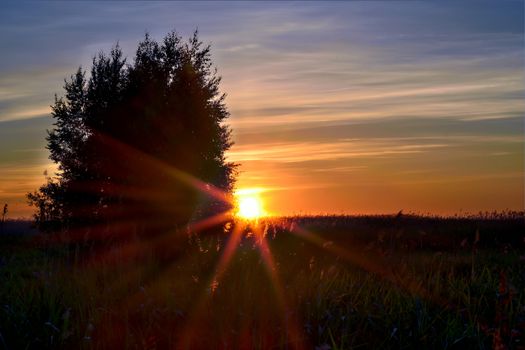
{"x":142,"y":142}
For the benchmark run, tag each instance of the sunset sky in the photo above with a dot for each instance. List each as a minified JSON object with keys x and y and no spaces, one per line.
{"x":336,"y":107}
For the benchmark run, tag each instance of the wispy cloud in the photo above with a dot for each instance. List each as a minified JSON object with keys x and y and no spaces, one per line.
{"x":307,"y":151}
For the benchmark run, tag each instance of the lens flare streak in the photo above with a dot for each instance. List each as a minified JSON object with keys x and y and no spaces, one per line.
{"x":294,"y":335}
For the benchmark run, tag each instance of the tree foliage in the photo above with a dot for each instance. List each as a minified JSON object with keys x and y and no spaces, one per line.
{"x":142,"y":142}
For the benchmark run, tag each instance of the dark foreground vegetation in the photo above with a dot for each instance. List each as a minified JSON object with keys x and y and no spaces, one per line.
{"x":292,"y":283}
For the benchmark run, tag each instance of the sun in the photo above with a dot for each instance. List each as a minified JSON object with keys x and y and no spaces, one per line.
{"x":250,"y":207}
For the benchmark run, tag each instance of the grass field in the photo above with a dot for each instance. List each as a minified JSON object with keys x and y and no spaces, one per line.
{"x":328,"y":282}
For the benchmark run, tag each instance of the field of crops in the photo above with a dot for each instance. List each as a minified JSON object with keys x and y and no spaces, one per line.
{"x":328,"y":282}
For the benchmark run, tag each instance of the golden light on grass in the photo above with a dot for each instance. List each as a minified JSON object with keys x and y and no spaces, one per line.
{"x":249,"y":204}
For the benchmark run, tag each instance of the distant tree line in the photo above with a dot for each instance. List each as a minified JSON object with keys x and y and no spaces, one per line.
{"x":141,"y":143}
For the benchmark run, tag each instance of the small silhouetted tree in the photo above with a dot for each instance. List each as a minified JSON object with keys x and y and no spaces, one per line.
{"x":4,"y":212}
{"x":140,"y":143}
{"x":2,"y":222}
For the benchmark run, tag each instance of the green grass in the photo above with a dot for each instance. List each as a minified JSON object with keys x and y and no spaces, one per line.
{"x":381,"y":292}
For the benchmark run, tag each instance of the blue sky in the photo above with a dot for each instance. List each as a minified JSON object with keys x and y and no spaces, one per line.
{"x":345,"y":106}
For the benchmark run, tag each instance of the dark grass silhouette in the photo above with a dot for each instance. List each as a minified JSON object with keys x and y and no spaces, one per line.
{"x":334,"y":282}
